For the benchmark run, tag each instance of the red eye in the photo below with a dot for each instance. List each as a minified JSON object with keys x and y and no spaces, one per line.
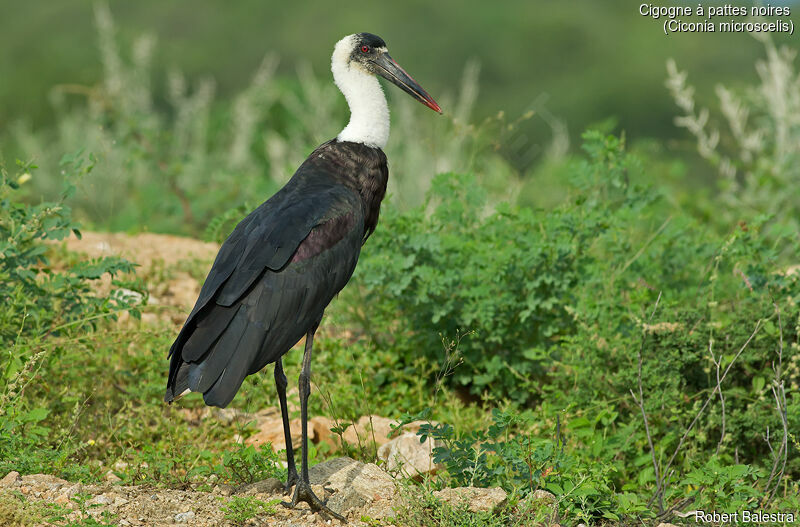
{"x":364,"y":49}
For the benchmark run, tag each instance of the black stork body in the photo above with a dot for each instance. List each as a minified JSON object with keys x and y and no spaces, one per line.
{"x":281,"y":266}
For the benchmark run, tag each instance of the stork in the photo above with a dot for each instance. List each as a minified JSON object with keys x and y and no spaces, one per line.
{"x":283,"y":263}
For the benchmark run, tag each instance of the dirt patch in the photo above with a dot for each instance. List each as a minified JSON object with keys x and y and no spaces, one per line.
{"x":144,"y":249}
{"x":171,"y":267}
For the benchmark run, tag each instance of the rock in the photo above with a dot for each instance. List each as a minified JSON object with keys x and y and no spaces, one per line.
{"x":72,"y":490}
{"x":65,"y":498}
{"x":408,"y":455}
{"x":479,"y":499}
{"x":356,"y":486}
{"x":268,"y":486}
{"x":42,"y":480}
{"x":102,"y":499}
{"x":11,"y":479}
{"x":223,"y":490}
{"x":662,"y":524}
{"x":111,"y":477}
{"x":322,"y":432}
{"x":271,"y":431}
{"x":184,"y":517}
{"x":543,"y":495}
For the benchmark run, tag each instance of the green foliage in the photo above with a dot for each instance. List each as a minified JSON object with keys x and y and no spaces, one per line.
{"x":36,"y":298}
{"x":491,"y":457}
{"x":510,"y":277}
{"x":730,"y":487}
{"x":454,"y":270}
{"x":563,"y":303}
{"x":85,"y":519}
{"x":239,"y":509}
{"x":42,"y":306}
{"x":508,"y":454}
{"x":247,"y":464}
{"x":422,"y":509}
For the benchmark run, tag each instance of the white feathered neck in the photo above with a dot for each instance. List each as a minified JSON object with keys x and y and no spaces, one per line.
{"x":369,"y":113}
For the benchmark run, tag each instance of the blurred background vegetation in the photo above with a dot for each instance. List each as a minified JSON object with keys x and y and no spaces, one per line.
{"x":580,"y":62}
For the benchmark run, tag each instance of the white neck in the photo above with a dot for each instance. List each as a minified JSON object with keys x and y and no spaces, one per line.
{"x":369,"y":113}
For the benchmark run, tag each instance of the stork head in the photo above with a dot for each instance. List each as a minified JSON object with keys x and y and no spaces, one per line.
{"x":368,"y":53}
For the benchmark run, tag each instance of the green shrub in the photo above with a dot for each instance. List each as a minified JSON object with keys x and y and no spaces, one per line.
{"x":510,"y":277}
{"x":35,"y":298}
{"x":564,"y":304}
{"x":42,"y":306}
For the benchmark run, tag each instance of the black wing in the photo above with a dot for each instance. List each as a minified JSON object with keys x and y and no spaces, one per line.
{"x":271,"y":281}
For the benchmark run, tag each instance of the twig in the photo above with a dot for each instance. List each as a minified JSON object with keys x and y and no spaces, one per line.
{"x":718,"y":364}
{"x":779,"y":392}
{"x":780,"y":400}
{"x":711,"y":396}
{"x":640,"y":402}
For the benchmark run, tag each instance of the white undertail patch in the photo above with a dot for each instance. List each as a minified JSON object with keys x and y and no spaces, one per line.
{"x":369,"y":112}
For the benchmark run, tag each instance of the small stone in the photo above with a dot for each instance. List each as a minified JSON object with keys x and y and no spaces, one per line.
{"x":111,"y":477}
{"x":72,"y":490}
{"x":102,"y":499}
{"x":223,"y":490}
{"x":10,"y":480}
{"x":543,"y":495}
{"x":184,"y":517}
{"x":119,"y":501}
{"x":406,"y":454}
{"x":41,"y":480}
{"x":479,"y":499}
{"x":267,"y":486}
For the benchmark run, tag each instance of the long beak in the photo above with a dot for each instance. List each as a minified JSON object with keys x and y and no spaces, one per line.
{"x":390,"y":70}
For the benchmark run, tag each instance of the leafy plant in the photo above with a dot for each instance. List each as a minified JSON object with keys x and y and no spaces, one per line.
{"x":38,"y":299}
{"x":239,"y":509}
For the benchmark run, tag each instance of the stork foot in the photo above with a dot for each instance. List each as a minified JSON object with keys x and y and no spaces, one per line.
{"x":291,"y":481}
{"x":303,"y":492}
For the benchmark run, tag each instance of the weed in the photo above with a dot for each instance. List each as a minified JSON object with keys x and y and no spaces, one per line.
{"x":240,"y":509}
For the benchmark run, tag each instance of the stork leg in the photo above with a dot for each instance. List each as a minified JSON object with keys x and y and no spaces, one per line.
{"x":302,"y":491}
{"x":281,"y":383}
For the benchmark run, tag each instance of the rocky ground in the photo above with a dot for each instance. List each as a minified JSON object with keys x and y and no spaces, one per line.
{"x":363,"y":493}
